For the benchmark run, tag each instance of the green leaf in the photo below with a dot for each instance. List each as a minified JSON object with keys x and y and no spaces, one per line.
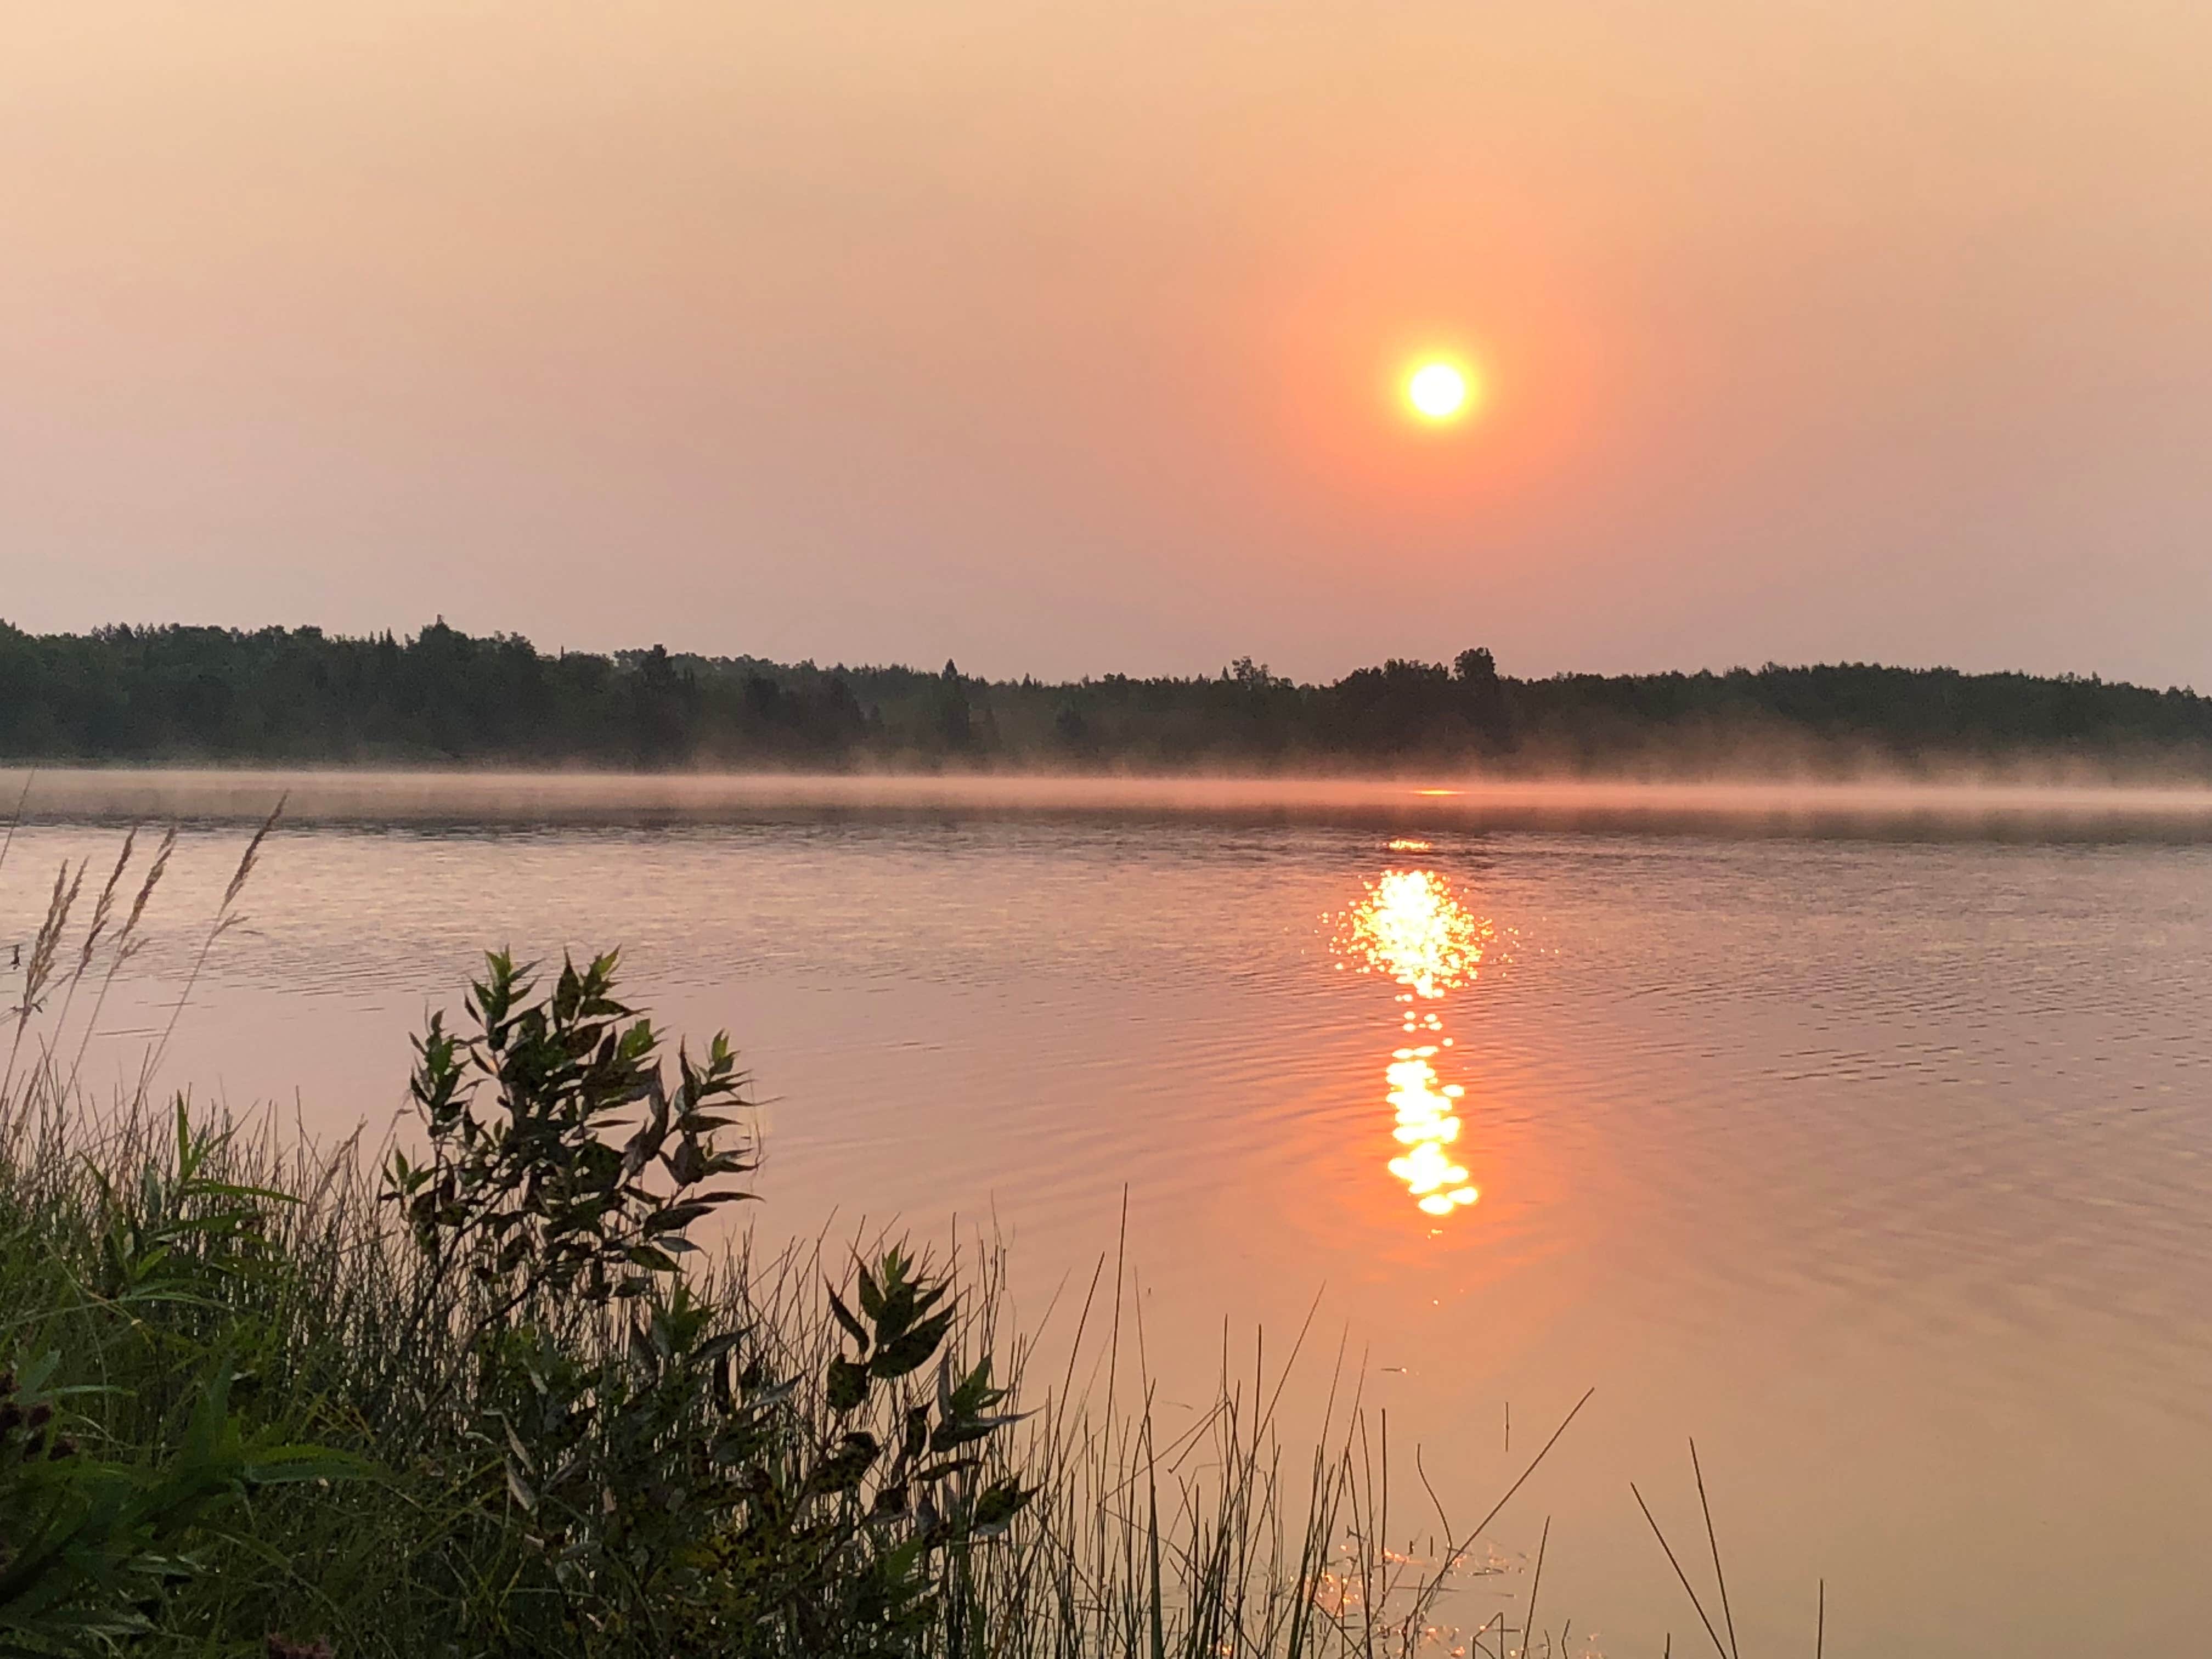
{"x":871,"y":1298}
{"x":963,"y":1430}
{"x":848,"y":1384}
{"x":891,"y":1503}
{"x":1000,"y":1502}
{"x":278,"y":1466}
{"x":853,"y":1328}
{"x":911,"y":1352}
{"x":846,"y":1468}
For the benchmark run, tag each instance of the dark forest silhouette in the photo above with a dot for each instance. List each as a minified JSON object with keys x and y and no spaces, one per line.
{"x":443,"y":698}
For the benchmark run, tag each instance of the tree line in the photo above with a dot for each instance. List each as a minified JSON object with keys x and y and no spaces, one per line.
{"x":442,"y":696}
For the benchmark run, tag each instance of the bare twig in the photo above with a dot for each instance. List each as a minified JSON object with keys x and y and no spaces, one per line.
{"x":16,"y":816}
{"x":225,"y":920}
{"x":41,"y":968}
{"x":128,"y":943}
{"x":103,"y":911}
{"x":1535,"y":1585}
{"x":1713,"y":1541}
{"x":1679,"y":1573}
{"x":1443,"y":1520}
{"x":1525,"y":1474}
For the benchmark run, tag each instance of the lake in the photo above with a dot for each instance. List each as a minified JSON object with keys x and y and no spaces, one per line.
{"x":1865,"y":1136}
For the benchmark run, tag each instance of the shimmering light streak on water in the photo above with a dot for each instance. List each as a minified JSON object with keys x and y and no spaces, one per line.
{"x":1411,"y":925}
{"x":1426,"y":1125}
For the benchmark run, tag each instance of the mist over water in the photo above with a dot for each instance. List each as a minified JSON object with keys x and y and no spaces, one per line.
{"x":1883,"y":805}
{"x":1861,"y":1133}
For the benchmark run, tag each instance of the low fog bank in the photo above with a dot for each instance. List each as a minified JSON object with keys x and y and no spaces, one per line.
{"x":515,"y":798}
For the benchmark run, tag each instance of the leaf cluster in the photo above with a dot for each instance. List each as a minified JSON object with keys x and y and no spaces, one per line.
{"x":670,"y":1492}
{"x":548,"y":1127}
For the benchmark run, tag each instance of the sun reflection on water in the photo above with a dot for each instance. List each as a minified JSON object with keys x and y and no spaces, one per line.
{"x":1410,"y":926}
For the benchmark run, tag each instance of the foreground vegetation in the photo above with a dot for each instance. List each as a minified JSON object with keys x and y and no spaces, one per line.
{"x":475,"y":1404}
{"x":243,"y":1400}
{"x":490,"y":1394}
{"x":441,"y":696}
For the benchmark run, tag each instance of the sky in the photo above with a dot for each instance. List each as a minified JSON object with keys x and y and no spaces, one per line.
{"x":1069,"y":339}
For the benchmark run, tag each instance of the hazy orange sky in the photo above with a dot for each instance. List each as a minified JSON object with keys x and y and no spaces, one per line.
{"x":1062,"y":339}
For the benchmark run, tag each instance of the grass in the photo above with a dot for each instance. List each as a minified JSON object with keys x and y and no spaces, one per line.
{"x":489,"y":1395}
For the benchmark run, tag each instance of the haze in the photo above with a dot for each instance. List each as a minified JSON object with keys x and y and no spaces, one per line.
{"x":1061,"y":340}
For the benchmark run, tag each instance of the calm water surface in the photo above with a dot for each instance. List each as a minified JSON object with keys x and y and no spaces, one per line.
{"x":1875,"y":1152}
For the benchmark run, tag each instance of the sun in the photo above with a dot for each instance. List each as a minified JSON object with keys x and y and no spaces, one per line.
{"x":1437,"y":391}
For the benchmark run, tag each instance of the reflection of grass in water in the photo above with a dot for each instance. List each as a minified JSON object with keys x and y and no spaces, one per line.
{"x":243,"y":1395}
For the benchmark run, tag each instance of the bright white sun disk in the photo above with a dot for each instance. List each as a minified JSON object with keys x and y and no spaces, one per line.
{"x":1437,"y":391}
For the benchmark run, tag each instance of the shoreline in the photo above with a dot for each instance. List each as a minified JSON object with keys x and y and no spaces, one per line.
{"x":335,"y":794}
